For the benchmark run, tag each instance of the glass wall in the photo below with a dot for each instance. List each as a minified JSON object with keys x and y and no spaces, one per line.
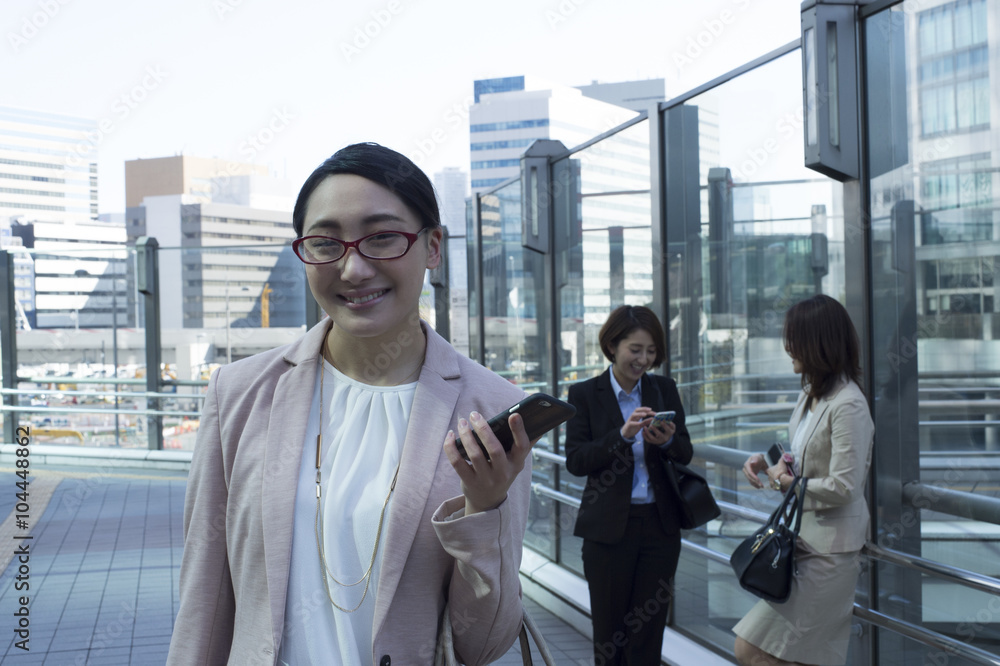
{"x":763,"y":233}
{"x":606,"y":262}
{"x":747,"y":231}
{"x":936,"y":367}
{"x":82,"y":372}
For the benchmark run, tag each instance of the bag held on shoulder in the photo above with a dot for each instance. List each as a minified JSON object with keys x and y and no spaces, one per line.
{"x":695,"y":502}
{"x":765,"y":562}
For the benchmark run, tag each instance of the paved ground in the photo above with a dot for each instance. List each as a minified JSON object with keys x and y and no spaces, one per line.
{"x":100,"y":578}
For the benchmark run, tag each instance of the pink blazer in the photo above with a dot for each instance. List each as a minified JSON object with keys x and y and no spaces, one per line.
{"x":238,"y":517}
{"x":837,"y":455}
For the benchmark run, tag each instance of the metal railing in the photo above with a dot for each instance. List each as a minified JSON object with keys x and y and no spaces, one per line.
{"x":953,"y":502}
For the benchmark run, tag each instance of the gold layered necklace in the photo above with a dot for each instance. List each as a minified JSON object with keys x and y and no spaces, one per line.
{"x":320,"y":539}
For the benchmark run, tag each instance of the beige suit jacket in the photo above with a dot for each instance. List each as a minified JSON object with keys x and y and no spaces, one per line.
{"x":836,"y":458}
{"x":238,"y":517}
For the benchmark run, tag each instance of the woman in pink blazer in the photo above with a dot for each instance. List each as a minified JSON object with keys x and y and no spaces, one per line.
{"x":329,"y":514}
{"x":831,"y":433}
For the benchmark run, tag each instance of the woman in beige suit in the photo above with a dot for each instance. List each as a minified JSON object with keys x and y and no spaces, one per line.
{"x":831,"y":433}
{"x":329,"y":515}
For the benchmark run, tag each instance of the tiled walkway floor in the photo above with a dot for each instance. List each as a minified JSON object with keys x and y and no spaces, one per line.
{"x":104,"y":562}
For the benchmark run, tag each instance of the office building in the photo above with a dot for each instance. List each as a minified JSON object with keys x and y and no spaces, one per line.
{"x":510,"y":113}
{"x":224,"y":229}
{"x":48,"y":197}
{"x":203,"y":179}
{"x":48,"y":166}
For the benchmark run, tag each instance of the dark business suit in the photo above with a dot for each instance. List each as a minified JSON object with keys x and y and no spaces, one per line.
{"x":630,"y":552}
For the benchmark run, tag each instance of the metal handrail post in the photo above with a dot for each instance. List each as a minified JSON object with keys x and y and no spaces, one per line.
{"x":8,"y":340}
{"x":148,"y":278}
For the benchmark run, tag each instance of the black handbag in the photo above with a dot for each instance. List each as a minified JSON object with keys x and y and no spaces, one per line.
{"x":695,"y":503}
{"x":765,"y":562}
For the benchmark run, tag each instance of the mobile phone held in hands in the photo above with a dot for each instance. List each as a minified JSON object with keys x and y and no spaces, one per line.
{"x":774,"y":454}
{"x":541,"y":413}
{"x":662,"y":417}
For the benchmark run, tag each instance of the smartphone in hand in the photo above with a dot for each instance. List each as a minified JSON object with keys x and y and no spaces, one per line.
{"x":541,"y":413}
{"x":774,"y":454}
{"x":662,"y":417}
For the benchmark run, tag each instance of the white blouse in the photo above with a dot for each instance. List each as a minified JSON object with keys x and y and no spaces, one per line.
{"x":798,"y":443}
{"x":363,"y":431}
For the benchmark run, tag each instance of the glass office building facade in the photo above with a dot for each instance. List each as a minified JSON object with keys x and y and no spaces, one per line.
{"x":720,"y":239}
{"x":701,"y":208}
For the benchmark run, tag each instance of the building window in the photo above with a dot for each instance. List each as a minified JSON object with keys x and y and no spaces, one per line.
{"x":500,"y":145}
{"x":509,"y":125}
{"x":953,"y":74}
{"x":964,"y":182}
{"x":496,"y":164}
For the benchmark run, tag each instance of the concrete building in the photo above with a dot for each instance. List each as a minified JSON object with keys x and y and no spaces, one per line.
{"x":202,"y":178}
{"x":635,"y":95}
{"x":510,"y":113}
{"x":224,"y":229}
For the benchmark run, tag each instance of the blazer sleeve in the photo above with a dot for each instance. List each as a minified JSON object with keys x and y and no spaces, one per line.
{"x":851,"y":431}
{"x":588,"y":451}
{"x":680,"y":449}
{"x":203,"y":630}
{"x":485,"y":590}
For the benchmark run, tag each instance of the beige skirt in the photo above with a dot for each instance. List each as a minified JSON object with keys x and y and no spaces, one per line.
{"x":814,"y":625}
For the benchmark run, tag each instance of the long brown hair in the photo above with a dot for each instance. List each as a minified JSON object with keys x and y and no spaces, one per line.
{"x":819,"y":335}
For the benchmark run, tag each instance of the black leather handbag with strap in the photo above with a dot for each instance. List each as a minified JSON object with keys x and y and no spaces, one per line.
{"x":765,"y":562}
{"x":695,"y":503}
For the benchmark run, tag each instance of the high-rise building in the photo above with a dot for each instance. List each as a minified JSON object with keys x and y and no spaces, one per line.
{"x":635,"y":95}
{"x":49,"y":166}
{"x":48,"y":199}
{"x":224,"y":229}
{"x":934,"y":182}
{"x":511,"y":113}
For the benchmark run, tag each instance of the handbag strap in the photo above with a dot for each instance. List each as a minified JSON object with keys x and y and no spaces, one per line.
{"x":445,"y":651}
{"x":529,"y":626}
{"x":799,"y":501}
{"x":776,"y":516}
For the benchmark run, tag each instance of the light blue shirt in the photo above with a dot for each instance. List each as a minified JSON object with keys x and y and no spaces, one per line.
{"x":642,"y":492}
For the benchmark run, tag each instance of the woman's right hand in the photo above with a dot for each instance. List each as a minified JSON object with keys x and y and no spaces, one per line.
{"x":753,"y":466}
{"x":637,"y":420}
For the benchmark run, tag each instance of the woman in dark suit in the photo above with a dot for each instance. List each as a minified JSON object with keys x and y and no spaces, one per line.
{"x":627,"y":517}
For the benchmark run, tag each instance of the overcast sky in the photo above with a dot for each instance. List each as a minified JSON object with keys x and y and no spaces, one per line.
{"x":287,"y":83}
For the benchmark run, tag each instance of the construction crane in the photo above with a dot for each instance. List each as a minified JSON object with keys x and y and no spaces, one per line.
{"x":265,"y":306}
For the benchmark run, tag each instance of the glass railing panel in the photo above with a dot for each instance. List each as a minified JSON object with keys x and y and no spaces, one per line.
{"x":83,"y":370}
{"x":933,"y":233}
{"x":77,"y":344}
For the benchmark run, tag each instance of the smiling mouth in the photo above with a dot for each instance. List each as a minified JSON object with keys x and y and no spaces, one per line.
{"x":361,"y":300}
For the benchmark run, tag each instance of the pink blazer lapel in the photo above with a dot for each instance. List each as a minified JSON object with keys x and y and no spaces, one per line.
{"x":290,"y":406}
